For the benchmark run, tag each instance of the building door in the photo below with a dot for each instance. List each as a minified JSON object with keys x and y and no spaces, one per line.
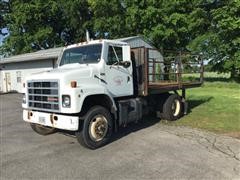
{"x":8,"y":82}
{"x":1,"y":81}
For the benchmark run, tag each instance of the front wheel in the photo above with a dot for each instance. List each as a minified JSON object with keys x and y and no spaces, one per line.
{"x":43,"y":130}
{"x":96,"y":130}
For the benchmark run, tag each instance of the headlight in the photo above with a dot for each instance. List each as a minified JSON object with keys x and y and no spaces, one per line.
{"x":24,"y":99}
{"x":66,"y":101}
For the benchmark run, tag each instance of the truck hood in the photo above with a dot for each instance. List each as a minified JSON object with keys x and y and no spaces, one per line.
{"x":65,"y":73}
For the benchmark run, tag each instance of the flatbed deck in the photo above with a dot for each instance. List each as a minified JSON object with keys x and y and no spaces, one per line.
{"x":159,"y":87}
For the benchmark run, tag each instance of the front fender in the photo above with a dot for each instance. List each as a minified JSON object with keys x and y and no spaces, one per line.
{"x":82,"y":92}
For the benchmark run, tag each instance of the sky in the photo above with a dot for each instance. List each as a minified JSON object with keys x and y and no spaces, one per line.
{"x":4,"y":30}
{"x":1,"y":39}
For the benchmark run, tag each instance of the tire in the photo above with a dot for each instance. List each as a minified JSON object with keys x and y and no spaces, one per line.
{"x":42,"y":130}
{"x":96,"y":129}
{"x":161,"y":99}
{"x":173,"y":108}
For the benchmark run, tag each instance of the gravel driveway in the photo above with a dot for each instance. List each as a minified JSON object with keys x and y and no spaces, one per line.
{"x":147,"y":150}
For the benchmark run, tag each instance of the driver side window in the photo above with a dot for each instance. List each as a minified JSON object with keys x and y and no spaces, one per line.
{"x":115,"y":54}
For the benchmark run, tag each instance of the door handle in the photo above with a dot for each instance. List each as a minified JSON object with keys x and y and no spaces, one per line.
{"x":128,"y":79}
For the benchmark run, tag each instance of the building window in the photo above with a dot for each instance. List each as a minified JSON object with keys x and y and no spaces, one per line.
{"x":19,"y":76}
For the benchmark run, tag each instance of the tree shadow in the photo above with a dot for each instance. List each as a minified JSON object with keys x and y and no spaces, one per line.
{"x":9,"y":92}
{"x":219,"y":79}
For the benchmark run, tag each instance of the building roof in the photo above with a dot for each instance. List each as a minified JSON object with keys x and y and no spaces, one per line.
{"x":53,"y":53}
{"x":128,"y":39}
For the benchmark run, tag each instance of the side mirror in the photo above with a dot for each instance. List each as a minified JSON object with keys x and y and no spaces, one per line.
{"x":125,"y":64}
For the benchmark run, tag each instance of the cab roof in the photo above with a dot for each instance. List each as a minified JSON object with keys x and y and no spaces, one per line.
{"x":96,"y":42}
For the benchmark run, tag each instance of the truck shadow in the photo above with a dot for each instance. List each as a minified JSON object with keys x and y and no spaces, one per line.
{"x":146,"y":122}
{"x":197,"y":102}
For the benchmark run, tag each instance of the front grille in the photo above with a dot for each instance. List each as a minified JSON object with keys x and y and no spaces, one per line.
{"x":43,"y":95}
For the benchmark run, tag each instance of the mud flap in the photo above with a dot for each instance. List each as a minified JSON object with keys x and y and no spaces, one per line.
{"x":185,"y":107}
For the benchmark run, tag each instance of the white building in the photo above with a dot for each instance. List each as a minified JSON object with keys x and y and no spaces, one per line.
{"x":13,"y":70}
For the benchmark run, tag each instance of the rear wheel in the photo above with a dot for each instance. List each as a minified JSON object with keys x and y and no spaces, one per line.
{"x":173,"y":108}
{"x":43,"y":130}
{"x":96,"y":130}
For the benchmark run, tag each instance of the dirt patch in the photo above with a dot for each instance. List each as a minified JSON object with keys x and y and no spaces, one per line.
{"x":233,"y":134}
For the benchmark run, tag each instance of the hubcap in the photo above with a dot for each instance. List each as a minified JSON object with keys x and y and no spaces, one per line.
{"x":176,"y":107}
{"x":98,"y":128}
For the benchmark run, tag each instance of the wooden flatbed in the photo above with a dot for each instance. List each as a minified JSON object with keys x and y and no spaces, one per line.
{"x":158,"y":74}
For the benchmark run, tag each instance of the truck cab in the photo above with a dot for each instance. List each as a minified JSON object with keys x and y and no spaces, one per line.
{"x":92,"y":71}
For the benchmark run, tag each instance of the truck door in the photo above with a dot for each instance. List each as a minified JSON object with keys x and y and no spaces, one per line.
{"x":118,"y":77}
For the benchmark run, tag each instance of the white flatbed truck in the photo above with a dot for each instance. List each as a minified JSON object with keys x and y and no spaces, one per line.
{"x":101,"y":85}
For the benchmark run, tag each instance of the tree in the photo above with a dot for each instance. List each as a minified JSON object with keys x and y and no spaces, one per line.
{"x":108,"y":18}
{"x":76,"y":18}
{"x":4,"y":9}
{"x":221,"y":42}
{"x":210,"y":27}
{"x":37,"y":24}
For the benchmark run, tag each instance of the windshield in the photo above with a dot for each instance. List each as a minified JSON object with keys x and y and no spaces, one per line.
{"x":83,"y":55}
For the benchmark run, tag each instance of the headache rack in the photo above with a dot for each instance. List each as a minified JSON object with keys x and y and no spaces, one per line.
{"x":43,"y":95}
{"x":171,"y":72}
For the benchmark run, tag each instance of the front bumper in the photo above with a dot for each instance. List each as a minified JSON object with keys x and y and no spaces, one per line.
{"x":58,"y":121}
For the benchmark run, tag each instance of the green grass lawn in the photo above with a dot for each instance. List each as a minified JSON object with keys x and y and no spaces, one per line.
{"x":215,"y":106}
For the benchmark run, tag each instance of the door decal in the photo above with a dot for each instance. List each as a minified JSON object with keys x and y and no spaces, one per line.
{"x":118,"y":80}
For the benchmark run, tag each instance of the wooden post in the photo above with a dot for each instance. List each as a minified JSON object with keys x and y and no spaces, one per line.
{"x":154,"y":70}
{"x":179,"y":70}
{"x":146,"y":74}
{"x":202,"y":70}
{"x":185,"y":104}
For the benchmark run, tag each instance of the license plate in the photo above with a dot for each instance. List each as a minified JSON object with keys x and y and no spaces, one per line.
{"x":42,"y":120}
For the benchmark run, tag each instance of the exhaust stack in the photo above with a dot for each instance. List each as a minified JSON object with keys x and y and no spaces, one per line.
{"x":87,"y":36}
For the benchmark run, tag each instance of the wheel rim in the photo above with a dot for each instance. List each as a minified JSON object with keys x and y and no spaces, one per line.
{"x":98,"y":128}
{"x":176,"y":107}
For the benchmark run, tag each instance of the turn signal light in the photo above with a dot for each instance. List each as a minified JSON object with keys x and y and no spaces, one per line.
{"x":73,"y":84}
{"x":30,"y":114}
